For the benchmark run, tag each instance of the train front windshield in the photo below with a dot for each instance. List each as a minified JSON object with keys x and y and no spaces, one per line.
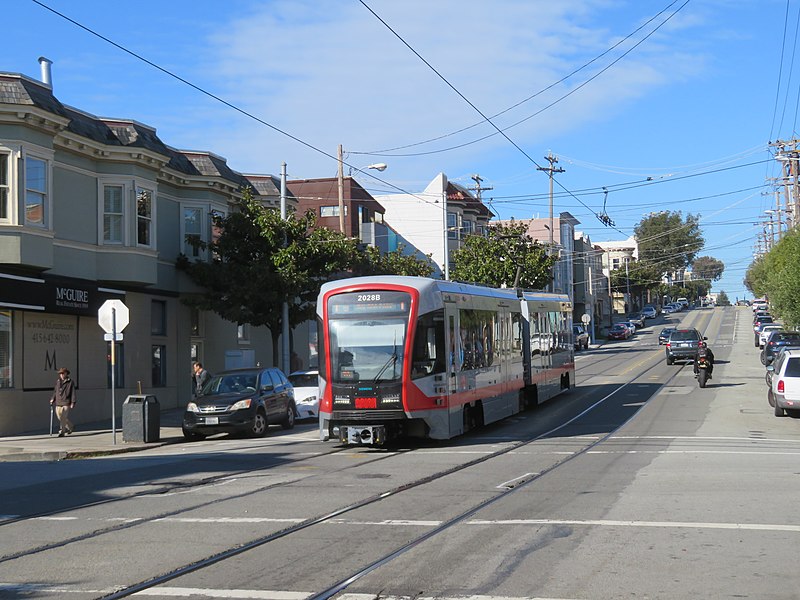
{"x":367,"y":334}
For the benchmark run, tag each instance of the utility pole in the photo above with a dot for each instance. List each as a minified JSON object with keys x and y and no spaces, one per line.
{"x":478,"y":189}
{"x":550,"y":170}
{"x":287,"y":367}
{"x":341,"y":189}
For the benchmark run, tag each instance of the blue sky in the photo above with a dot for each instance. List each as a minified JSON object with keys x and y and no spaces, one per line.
{"x":690,"y":100}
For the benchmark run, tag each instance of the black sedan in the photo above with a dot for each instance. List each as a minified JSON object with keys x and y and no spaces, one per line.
{"x":241,"y":401}
{"x":664,"y":335}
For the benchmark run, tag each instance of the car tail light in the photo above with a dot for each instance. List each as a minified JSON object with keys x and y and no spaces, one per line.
{"x":780,"y":386}
{"x":669,"y":345}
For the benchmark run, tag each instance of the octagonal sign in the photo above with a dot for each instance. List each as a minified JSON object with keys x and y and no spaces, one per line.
{"x":110,"y":311}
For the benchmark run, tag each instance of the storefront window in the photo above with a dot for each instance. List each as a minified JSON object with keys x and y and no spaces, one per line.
{"x":5,"y":349}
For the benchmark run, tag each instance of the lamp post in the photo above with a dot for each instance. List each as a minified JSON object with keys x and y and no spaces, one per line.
{"x":340,"y":178}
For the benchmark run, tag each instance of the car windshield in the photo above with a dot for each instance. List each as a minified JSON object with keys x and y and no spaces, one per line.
{"x":785,"y":337}
{"x":666,"y":331}
{"x":682,"y":336}
{"x":304,"y":380}
{"x":232,"y":383}
{"x":764,"y":319}
{"x":618,"y":327}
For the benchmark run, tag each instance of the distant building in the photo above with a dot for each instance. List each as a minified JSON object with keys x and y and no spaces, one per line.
{"x":592,"y":295}
{"x":563,"y":238}
{"x":419,"y":221}
{"x":617,"y":255}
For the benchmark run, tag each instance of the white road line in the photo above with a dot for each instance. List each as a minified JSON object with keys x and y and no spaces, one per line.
{"x":226,"y":520}
{"x":660,"y":524}
{"x":179,"y":592}
{"x":512,"y":482}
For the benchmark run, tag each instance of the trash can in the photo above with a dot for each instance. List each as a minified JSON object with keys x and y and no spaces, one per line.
{"x":141,"y":419}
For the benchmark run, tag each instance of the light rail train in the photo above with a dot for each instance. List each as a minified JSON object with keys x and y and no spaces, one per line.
{"x":410,"y":356}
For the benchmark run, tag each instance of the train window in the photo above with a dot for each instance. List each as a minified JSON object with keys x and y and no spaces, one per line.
{"x":516,"y":333}
{"x":477,"y":338}
{"x":428,"y":355}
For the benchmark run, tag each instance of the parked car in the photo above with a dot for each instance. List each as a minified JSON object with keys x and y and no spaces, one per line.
{"x":581,"y":337}
{"x":757,"y":325}
{"x":766,"y":330}
{"x":664,"y":335}
{"x":619,"y":331}
{"x":778,"y":354}
{"x":241,"y":401}
{"x":306,"y":393}
{"x":630,"y":325}
{"x":784,"y":392}
{"x":776,"y":341}
{"x":683,"y":344}
{"x":637,"y":319}
{"x":650,"y":312}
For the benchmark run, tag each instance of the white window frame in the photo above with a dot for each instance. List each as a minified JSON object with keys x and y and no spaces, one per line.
{"x":102,"y":184}
{"x":145,"y":188}
{"x":6,"y":188}
{"x":204,"y":229}
{"x":45,"y":156}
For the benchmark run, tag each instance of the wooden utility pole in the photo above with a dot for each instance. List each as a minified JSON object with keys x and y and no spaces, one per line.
{"x":341,"y":190}
{"x":550,"y":170}
{"x":478,"y":189}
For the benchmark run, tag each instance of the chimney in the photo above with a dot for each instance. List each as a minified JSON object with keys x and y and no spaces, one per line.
{"x":47,"y":77}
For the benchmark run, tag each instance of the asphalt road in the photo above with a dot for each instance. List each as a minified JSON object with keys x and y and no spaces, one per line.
{"x":637,"y":484}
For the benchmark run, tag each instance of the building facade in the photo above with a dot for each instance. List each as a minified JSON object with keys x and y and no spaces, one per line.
{"x":94,"y":209}
{"x":436,"y":220}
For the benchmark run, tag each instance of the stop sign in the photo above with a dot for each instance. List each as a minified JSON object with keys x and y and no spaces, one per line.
{"x":113,"y":313}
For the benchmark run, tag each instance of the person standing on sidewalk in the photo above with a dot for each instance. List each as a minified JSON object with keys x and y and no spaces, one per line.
{"x":64,"y":400}
{"x":201,"y":377}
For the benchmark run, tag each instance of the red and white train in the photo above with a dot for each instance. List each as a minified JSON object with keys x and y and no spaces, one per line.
{"x":427,"y":358}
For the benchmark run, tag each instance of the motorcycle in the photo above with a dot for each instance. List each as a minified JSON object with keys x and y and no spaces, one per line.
{"x":702,"y":367}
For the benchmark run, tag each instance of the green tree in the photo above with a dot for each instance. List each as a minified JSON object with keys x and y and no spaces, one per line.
{"x":708,"y":268}
{"x":637,"y":278}
{"x":782,"y":274}
{"x":722,"y":299}
{"x":260,"y":260}
{"x":506,"y":256}
{"x":668,"y":242}
{"x":374,"y":262}
{"x":755,"y":279}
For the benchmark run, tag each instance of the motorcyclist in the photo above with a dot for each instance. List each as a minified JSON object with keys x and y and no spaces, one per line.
{"x":704,"y":351}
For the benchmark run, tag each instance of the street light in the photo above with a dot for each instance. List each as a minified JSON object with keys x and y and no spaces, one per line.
{"x":339,"y":153}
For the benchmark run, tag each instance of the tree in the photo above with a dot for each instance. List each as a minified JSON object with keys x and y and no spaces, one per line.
{"x":260,"y":260}
{"x":708,"y":268}
{"x":506,"y":256}
{"x":722,"y":299}
{"x":637,"y":278}
{"x":374,"y":262}
{"x":755,"y":279}
{"x":668,"y":242}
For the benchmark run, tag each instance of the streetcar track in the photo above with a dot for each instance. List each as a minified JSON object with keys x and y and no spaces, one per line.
{"x":136,"y":521}
{"x":378,"y":497}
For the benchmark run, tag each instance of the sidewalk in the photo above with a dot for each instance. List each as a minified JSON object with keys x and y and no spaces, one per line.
{"x":89,"y":439}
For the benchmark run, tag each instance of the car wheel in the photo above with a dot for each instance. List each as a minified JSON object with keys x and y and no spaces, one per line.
{"x":670,"y":360}
{"x":288,"y":420}
{"x":259,"y":426}
{"x":192,"y":436}
{"x":763,"y":358}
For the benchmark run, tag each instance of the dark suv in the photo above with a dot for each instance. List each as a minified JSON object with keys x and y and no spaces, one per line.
{"x":683,"y":344}
{"x":241,"y":401}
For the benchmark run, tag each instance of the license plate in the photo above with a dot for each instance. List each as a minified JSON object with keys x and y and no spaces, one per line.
{"x":212,"y":420}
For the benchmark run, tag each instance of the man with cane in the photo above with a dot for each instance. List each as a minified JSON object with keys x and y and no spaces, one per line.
{"x":64,"y":400}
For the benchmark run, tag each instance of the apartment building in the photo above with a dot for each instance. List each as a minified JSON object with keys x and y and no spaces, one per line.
{"x":93,"y":209}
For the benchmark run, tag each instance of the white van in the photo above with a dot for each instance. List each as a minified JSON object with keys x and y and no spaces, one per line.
{"x":683,"y":302}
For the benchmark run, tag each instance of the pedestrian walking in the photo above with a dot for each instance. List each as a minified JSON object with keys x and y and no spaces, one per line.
{"x":63,"y":400}
{"x":201,"y":377}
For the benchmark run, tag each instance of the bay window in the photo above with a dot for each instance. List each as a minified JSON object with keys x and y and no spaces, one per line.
{"x":113,"y":214}
{"x":36,"y":204}
{"x":5,"y":209}
{"x":144,"y":217}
